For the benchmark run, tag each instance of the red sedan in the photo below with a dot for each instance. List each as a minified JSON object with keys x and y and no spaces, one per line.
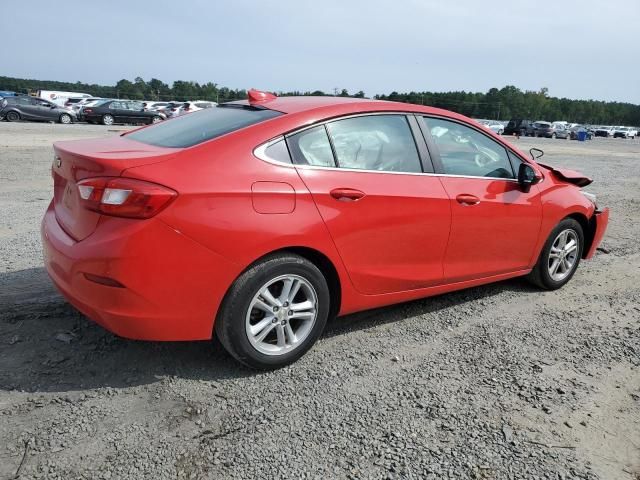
{"x":260,"y":219}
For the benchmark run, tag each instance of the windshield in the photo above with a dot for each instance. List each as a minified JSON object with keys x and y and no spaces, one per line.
{"x":198,"y":127}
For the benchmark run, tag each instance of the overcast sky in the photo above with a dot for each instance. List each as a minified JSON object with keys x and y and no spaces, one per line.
{"x":576,"y":48}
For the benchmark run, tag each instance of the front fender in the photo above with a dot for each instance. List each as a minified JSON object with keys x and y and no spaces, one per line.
{"x":559,"y":201}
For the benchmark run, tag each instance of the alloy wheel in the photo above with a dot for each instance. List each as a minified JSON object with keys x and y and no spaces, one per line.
{"x":281,"y":315}
{"x":563,"y":255}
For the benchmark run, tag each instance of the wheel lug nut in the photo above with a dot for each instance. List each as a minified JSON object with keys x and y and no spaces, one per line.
{"x":290,"y":312}
{"x":275,"y":309}
{"x":286,"y":304}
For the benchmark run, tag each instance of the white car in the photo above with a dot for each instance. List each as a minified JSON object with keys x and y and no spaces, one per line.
{"x":189,"y":107}
{"x":493,"y":125}
{"x":625,"y":132}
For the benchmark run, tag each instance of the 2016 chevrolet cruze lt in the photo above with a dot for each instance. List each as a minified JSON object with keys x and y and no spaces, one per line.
{"x":257,"y":220}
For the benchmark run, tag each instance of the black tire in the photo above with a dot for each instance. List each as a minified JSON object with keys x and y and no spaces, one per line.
{"x":12,"y":116}
{"x":540,"y":275}
{"x":107,"y":119}
{"x":230,"y":326}
{"x":156,"y":119}
{"x":65,"y":118}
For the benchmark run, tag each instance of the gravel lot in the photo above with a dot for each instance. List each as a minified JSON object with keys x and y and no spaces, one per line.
{"x":500,"y":381}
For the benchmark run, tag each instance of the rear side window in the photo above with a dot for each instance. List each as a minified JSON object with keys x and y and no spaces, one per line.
{"x":311,"y":147}
{"x":198,"y":127}
{"x":377,"y":142}
{"x":278,"y":151}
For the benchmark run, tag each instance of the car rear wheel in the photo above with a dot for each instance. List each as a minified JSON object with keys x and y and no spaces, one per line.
{"x":65,"y":118}
{"x":107,"y":119}
{"x":12,"y":116}
{"x":274,"y":312}
{"x":560,"y":256}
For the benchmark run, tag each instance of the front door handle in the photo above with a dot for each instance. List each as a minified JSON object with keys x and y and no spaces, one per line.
{"x":346,"y":194}
{"x":467,"y":199}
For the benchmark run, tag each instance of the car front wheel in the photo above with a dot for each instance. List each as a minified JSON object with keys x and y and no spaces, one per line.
{"x":560,"y":256}
{"x":274,"y":312}
{"x":65,"y":118}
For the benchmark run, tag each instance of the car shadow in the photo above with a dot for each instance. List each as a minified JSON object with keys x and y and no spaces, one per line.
{"x":47,"y":346}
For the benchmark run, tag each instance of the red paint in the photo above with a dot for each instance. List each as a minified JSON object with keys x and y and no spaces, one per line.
{"x":390,"y":237}
{"x":273,"y":197}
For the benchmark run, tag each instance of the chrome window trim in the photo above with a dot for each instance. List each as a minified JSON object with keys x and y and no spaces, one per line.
{"x":260,"y":150}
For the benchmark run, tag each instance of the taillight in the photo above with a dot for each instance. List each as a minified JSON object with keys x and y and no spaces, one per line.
{"x":124,"y":197}
{"x":87,"y":110}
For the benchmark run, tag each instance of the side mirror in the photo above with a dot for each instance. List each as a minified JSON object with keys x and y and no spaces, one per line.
{"x":527,"y":177}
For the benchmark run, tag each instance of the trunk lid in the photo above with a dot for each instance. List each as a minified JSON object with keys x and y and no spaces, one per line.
{"x":79,"y":159}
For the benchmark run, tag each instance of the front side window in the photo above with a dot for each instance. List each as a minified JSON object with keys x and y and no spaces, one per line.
{"x":467,"y":152}
{"x":375,"y":142}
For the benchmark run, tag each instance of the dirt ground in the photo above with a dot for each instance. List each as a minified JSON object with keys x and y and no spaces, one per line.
{"x":500,"y":381}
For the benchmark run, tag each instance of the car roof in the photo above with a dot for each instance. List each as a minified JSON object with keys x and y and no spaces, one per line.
{"x":342,"y":105}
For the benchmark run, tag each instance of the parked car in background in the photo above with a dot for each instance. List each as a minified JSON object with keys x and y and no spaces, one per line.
{"x":633,"y":132}
{"x":171,"y":110}
{"x":109,"y":112}
{"x":604,"y":131}
{"x":540,"y":129}
{"x":155,"y":105}
{"x":517,"y":126}
{"x":190,"y":107}
{"x":624,"y":132}
{"x":560,"y":130}
{"x":575,"y":130}
{"x":89,"y":103}
{"x":147,"y":238}
{"x":77,"y":106}
{"x":493,"y":125}
{"x":24,"y":107}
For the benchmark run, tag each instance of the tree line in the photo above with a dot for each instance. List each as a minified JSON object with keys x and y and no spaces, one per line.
{"x":501,"y":104}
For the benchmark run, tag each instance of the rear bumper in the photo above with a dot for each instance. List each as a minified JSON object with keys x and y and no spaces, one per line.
{"x":601,"y":220}
{"x":172,"y":285}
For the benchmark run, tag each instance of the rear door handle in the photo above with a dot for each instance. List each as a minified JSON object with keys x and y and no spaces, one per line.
{"x":466,"y":199}
{"x":346,"y":194}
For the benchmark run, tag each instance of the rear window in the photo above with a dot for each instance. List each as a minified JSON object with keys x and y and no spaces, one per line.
{"x":198,"y":127}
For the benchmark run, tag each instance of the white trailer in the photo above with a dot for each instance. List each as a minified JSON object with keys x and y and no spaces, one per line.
{"x":59,"y":98}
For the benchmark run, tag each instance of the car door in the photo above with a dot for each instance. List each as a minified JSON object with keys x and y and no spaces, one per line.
{"x":29,"y":109}
{"x":389,"y":221}
{"x":137,"y":113}
{"x":119,"y":111}
{"x":47,"y":110}
{"x":495,"y":224}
